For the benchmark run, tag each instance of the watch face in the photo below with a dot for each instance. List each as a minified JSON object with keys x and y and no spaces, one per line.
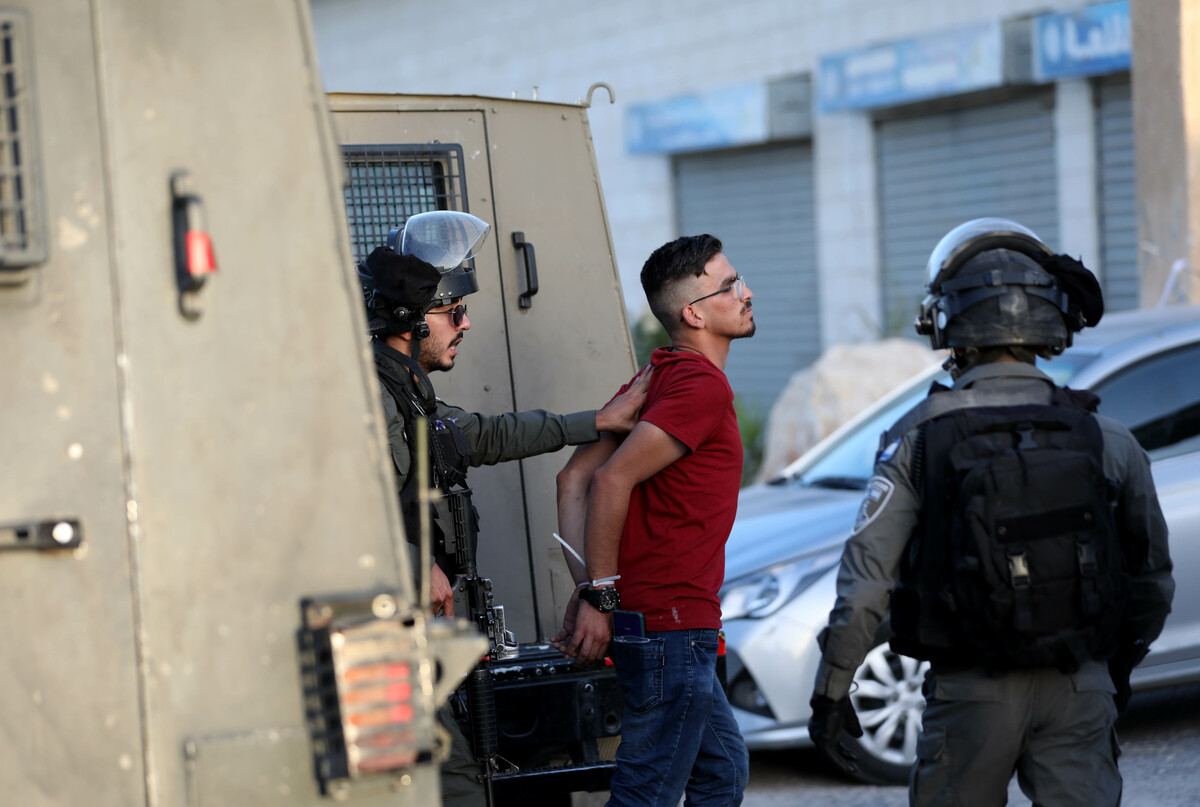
{"x":609,"y":599}
{"x":604,"y":600}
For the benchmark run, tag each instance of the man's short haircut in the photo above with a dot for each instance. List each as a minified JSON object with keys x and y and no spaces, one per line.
{"x":671,"y":263}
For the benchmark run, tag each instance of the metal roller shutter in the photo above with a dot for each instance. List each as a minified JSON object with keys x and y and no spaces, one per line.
{"x":1118,"y":194}
{"x":760,"y":204}
{"x":939,"y":170}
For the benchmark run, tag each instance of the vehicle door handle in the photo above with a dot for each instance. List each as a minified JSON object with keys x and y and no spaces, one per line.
{"x":525,"y":300}
{"x":194,"y":260}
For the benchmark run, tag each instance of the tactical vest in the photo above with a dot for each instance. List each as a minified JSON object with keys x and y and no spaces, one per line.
{"x":1016,"y":562}
{"x":453,"y":519}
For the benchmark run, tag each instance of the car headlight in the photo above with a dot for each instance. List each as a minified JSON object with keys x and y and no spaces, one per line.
{"x":763,"y":593}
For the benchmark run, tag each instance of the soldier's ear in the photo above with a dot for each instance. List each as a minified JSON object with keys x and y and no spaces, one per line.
{"x":405,"y":341}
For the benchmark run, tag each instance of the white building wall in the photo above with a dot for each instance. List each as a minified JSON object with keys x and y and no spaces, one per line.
{"x":1078,"y":200}
{"x":847,"y":226}
{"x":652,"y":51}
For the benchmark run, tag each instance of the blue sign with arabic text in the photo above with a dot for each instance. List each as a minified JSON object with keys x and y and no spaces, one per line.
{"x":944,"y":63}
{"x":727,"y":116}
{"x":1087,"y":42}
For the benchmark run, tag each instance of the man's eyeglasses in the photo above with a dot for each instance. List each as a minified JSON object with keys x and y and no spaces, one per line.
{"x":738,"y":285}
{"x":459,"y":313}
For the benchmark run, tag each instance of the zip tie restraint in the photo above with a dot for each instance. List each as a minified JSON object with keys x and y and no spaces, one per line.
{"x":570,"y":548}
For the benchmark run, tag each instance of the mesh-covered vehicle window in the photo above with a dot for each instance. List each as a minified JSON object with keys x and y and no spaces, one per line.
{"x":390,"y":183}
{"x":22,"y":214}
{"x":1159,"y":400}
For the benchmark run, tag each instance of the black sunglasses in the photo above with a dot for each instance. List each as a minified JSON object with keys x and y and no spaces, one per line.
{"x":459,"y":312}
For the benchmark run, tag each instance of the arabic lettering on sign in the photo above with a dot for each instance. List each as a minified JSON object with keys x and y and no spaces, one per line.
{"x":1087,"y":42}
{"x":932,"y":66}
{"x":726,"y":116}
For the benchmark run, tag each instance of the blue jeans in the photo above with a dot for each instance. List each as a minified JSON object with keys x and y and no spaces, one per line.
{"x":678,"y":735}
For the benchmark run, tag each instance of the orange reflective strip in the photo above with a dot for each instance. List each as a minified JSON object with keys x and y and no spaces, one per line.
{"x":401,"y":691}
{"x":373,"y":672}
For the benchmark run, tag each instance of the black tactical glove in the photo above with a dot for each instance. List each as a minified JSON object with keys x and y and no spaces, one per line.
{"x":1121,"y":666}
{"x":829,"y":720}
{"x":1120,"y":677}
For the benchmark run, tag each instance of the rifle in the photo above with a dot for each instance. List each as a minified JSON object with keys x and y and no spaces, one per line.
{"x":457,"y":538}
{"x":572,"y":707}
{"x":460,"y":541}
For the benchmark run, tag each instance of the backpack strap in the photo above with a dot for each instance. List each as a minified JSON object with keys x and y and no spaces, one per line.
{"x":1019,"y":578}
{"x":1081,"y":398}
{"x":942,"y":402}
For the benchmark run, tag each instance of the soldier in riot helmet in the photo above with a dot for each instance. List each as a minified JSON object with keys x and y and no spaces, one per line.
{"x":414,"y":288}
{"x":1014,"y":538}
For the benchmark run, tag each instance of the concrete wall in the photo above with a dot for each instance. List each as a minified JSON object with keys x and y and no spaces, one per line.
{"x":1166,"y":117}
{"x":654,"y":51}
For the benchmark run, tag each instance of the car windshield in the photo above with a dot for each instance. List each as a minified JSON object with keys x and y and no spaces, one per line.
{"x":847,"y":463}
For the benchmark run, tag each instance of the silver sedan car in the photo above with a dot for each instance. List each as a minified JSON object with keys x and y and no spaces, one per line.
{"x":783,"y":553}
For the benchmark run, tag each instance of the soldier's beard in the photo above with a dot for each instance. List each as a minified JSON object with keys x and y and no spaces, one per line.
{"x":433,"y":358}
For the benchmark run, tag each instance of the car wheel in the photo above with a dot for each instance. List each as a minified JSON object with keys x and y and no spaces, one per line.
{"x":888,"y":701}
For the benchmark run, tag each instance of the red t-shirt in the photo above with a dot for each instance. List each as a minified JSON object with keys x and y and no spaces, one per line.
{"x":672,"y":556}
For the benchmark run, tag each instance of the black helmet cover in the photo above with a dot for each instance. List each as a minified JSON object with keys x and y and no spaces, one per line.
{"x":1086,"y":303}
{"x":398,"y":289}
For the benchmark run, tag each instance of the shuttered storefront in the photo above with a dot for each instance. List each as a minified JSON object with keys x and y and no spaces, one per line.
{"x":938,"y":170}
{"x":760,"y":204}
{"x":1118,"y":200}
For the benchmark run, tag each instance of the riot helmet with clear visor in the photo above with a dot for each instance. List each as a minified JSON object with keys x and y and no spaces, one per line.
{"x":421,"y":268}
{"x":444,"y":239}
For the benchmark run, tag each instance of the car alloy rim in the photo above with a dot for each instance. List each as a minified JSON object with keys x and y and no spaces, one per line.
{"x":888,"y":701}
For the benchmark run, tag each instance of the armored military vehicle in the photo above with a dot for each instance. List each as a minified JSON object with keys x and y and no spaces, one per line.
{"x":549,"y":331}
{"x":204,"y":590}
{"x":204,"y":593}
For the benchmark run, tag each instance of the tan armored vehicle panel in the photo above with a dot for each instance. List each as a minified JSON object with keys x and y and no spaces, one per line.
{"x":190,"y":454}
{"x":548,"y":324}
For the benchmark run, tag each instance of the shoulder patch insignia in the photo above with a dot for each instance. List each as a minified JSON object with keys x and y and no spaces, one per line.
{"x":889,"y":451}
{"x":879,"y":492}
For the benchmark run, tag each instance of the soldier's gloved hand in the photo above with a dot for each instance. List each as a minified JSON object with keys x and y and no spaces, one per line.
{"x":830,"y":718}
{"x":1120,"y":667}
{"x":1123,"y":694}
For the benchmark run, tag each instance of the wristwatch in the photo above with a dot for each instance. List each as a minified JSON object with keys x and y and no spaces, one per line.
{"x":605,"y":600}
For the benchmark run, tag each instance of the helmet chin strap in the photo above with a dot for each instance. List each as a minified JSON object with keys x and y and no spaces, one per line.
{"x":424,"y":385}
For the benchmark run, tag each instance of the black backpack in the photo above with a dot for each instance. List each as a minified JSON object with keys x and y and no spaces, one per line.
{"x":1016,"y":562}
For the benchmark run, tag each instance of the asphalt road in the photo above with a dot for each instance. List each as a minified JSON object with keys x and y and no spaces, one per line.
{"x":1160,"y":761}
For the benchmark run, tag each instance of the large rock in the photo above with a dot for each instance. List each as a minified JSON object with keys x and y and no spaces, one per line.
{"x":843,"y":382}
